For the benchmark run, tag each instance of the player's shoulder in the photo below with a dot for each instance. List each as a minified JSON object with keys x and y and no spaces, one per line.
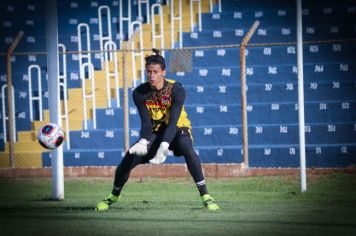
{"x":142,"y":88}
{"x":176,"y":85}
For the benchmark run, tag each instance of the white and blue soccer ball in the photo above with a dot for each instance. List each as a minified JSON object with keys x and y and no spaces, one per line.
{"x":50,"y":136}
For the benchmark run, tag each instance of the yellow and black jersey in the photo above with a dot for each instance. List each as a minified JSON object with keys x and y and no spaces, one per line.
{"x":161,"y":110}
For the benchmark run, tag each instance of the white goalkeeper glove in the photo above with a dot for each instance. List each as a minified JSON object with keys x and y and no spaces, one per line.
{"x":161,"y":154}
{"x":139,"y":148}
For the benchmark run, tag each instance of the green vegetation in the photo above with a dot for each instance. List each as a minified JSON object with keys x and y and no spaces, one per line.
{"x":249,"y":206}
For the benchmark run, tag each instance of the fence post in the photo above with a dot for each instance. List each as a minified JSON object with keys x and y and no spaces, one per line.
{"x":10,"y":91}
{"x":243,"y":92}
{"x":126,"y":97}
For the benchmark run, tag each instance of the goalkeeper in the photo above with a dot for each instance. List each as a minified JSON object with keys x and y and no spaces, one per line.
{"x":164,"y":126}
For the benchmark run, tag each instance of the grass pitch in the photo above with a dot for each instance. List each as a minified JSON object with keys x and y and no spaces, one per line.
{"x":249,"y":206}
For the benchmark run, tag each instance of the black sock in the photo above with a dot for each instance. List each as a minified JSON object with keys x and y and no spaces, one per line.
{"x":202,"y":187}
{"x":116,"y":191}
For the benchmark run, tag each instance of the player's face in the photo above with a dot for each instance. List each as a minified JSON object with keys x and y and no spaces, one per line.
{"x":155,"y":76}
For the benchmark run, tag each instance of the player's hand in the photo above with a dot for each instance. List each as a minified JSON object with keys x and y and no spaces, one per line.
{"x":161,"y":154}
{"x":139,"y":148}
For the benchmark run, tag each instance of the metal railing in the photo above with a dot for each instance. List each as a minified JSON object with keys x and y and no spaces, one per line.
{"x":103,"y":39}
{"x":192,"y":15}
{"x":90,"y":96}
{"x":137,"y":52}
{"x":156,"y":36}
{"x":122,"y":19}
{"x":63,"y":85}
{"x":83,"y":55}
{"x":30,"y":92}
{"x":111,"y":56}
{"x":180,"y":21}
{"x":147,"y":2}
{"x":212,"y":6}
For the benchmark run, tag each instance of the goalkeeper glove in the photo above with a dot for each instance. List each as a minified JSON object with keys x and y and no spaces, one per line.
{"x":139,"y":148}
{"x":161,"y":154}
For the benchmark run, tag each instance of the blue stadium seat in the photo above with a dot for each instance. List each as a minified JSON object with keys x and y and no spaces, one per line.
{"x":316,"y":156}
{"x":331,"y":134}
{"x":231,"y":56}
{"x":330,"y":53}
{"x":230,"y":114}
{"x":112,"y":118}
{"x":229,"y":36}
{"x":202,"y":75}
{"x":213,"y":86}
{"x":96,"y":139}
{"x":82,"y":157}
{"x":259,"y":156}
{"x":238,"y":18}
{"x":330,"y":72}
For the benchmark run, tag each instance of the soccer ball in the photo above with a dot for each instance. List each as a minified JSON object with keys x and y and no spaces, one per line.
{"x":50,"y":136}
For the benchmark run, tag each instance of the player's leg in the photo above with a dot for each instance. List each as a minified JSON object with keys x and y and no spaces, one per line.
{"x":130,"y":161}
{"x":123,"y":170}
{"x":183,"y":145}
{"x":122,"y":174}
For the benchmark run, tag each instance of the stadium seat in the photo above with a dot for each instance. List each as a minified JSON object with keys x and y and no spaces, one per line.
{"x":213,"y":87}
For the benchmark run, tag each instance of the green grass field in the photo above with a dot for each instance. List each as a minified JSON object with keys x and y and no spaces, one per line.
{"x":249,"y":206}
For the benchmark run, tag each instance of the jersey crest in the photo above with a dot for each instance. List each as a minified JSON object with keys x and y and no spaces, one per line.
{"x":158,"y":104}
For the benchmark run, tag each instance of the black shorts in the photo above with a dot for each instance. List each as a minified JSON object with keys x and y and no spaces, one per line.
{"x":181,"y":141}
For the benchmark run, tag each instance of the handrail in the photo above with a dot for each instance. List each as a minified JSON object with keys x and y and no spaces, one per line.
{"x":31,"y":97}
{"x":111,"y":55}
{"x":63,"y":85}
{"x":82,"y":55}
{"x":192,"y":14}
{"x":161,"y":33}
{"x":147,"y":10}
{"x":212,"y":5}
{"x":180,"y":20}
{"x":103,"y":38}
{"x":122,"y":19}
{"x":138,"y":52}
{"x":89,"y":96}
{"x":3,"y":97}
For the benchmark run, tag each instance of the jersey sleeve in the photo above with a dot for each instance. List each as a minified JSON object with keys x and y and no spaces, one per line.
{"x":146,"y":126}
{"x":178,"y":97}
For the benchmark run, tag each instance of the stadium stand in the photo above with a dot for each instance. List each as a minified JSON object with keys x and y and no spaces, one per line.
{"x":213,"y":86}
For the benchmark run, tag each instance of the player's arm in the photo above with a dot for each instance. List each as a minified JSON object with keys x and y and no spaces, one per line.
{"x":146,"y":124}
{"x":178,"y":97}
{"x":140,"y":148}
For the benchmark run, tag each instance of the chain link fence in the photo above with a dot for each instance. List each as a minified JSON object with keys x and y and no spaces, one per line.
{"x":211,"y":77}
{"x":108,"y":70}
{"x":90,"y":95}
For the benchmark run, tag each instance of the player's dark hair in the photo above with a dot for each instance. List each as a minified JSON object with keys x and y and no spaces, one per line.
{"x":155,"y":59}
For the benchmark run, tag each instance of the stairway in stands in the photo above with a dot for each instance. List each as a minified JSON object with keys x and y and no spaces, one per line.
{"x":104,"y":145}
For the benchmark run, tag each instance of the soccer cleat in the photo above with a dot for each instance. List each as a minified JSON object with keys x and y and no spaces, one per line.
{"x":105,"y":204}
{"x":209,"y":203}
